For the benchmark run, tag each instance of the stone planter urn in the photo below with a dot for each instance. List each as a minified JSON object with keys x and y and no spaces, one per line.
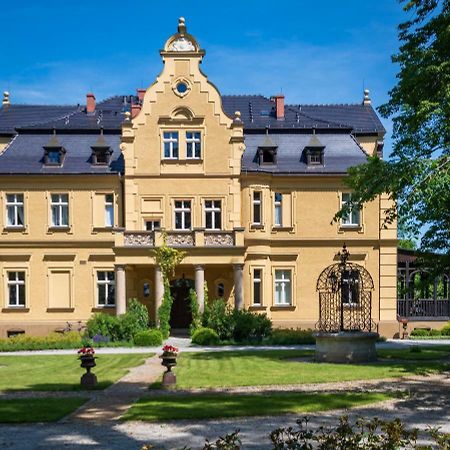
{"x":169,"y":360}
{"x":87,"y":358}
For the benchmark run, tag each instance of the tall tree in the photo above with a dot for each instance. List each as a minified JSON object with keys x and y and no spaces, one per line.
{"x":417,"y":174}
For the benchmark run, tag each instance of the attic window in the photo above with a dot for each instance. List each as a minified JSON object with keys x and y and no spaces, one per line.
{"x":314,"y":157}
{"x":54,"y":152}
{"x":101,"y":152}
{"x":267,"y":156}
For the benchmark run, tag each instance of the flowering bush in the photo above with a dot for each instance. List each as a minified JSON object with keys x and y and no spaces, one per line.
{"x":169,"y":349}
{"x":86,"y":351}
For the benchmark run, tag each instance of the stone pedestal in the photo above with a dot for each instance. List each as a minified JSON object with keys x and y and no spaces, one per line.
{"x":169,"y":379}
{"x":89,"y":380}
{"x":346,"y":347}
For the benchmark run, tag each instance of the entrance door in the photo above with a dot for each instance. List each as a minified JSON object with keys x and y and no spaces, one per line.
{"x":181,"y":315}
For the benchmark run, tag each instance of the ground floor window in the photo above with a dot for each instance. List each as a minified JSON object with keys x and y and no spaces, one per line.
{"x":152,"y":225}
{"x":283,"y":287}
{"x":257,"y":286}
{"x":16,"y":288}
{"x":106,"y":288}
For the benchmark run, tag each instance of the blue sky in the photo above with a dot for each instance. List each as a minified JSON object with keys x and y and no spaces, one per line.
{"x":314,"y":52}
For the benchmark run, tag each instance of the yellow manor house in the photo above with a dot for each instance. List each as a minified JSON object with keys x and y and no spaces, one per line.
{"x":246,"y":185}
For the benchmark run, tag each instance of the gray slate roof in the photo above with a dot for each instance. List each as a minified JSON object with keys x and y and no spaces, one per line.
{"x":257,"y":112}
{"x":24,"y":155}
{"x":341,"y":152}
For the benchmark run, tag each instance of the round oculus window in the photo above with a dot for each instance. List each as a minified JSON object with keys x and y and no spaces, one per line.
{"x":182,"y":87}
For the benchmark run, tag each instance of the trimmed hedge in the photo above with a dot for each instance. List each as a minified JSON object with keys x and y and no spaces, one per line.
{"x":422,"y":333}
{"x":205,"y":336}
{"x":148,"y":338}
{"x":291,"y":336}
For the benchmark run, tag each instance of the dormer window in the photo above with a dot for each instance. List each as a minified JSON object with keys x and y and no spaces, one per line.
{"x":54,"y":152}
{"x":314,"y":152}
{"x":267,"y":151}
{"x":314,"y":157}
{"x":101,"y":152}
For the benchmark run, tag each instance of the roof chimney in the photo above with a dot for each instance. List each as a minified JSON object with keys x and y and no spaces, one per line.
{"x":90,"y":103}
{"x":366,"y":100}
{"x":135,"y":109}
{"x":6,"y":101}
{"x":140,"y":94}
{"x":279,"y":106}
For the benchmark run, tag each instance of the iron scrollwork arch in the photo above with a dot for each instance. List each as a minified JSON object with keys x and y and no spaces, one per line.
{"x":345,"y":297}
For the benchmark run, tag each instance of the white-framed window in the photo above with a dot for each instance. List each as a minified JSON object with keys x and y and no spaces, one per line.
{"x":182,"y":214}
{"x":14,"y":210}
{"x":257,"y":207}
{"x":106,"y":295}
{"x":109,"y":210}
{"x":350,"y":287}
{"x":213,"y":214}
{"x":278,"y":209}
{"x":60,"y":210}
{"x":353,"y":218}
{"x":170,"y":144}
{"x":152,"y":225}
{"x":283,"y":287}
{"x":16,"y":289}
{"x":257,"y":287}
{"x":193,"y":145}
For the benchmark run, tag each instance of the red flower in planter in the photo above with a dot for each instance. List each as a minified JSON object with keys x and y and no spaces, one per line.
{"x":170,"y":349}
{"x":86,"y":351}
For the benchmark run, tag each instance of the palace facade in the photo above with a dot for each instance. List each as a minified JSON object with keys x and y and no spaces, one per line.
{"x":246,"y":185}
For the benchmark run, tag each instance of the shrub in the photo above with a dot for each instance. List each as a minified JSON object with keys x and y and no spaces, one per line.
{"x":196,"y":315}
{"x":446,"y":330}
{"x":250,"y":327}
{"x":164,"y":312}
{"x":219,"y":316}
{"x":205,"y":336}
{"x":434,"y":332}
{"x":148,"y":338}
{"x":121,"y":328}
{"x":420,"y":332}
{"x":71,"y":339}
{"x":291,"y":336}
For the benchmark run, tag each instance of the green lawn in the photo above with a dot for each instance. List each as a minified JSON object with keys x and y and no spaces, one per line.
{"x":26,"y":410}
{"x":425,"y":353}
{"x":216,"y":369}
{"x":177,"y":407}
{"x":61,"y":372}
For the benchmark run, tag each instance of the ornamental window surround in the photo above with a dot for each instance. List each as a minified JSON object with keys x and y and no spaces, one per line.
{"x":278,"y":209}
{"x":15,"y":210}
{"x":257,"y":207}
{"x":213,"y":214}
{"x":353,"y":218}
{"x":283,"y":287}
{"x":183,"y":214}
{"x":193,"y":145}
{"x":106,"y":288}
{"x":59,"y":206}
{"x":170,"y":144}
{"x":16,"y":289}
{"x":101,"y":152}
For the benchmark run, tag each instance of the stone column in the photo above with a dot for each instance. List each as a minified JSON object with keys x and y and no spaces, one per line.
{"x":238,"y":271}
{"x":159,"y":292}
{"x":200,"y":287}
{"x":121,"y":296}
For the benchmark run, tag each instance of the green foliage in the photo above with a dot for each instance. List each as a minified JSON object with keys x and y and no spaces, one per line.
{"x":417,"y":175}
{"x":164,"y":312}
{"x":420,"y":332}
{"x":148,"y":338}
{"x":291,"y":337}
{"x":205,"y":336}
{"x":167,"y":259}
{"x":121,"y":328}
{"x":71,"y":339}
{"x":235,"y":325}
{"x":250,"y":327}
{"x":219,"y":316}
{"x":196,"y":315}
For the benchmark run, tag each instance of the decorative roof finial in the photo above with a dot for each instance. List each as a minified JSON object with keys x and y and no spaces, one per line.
{"x":181,"y":25}
{"x":6,"y":101}
{"x":344,"y":254}
{"x":127,"y":115}
{"x":367,"y":100}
